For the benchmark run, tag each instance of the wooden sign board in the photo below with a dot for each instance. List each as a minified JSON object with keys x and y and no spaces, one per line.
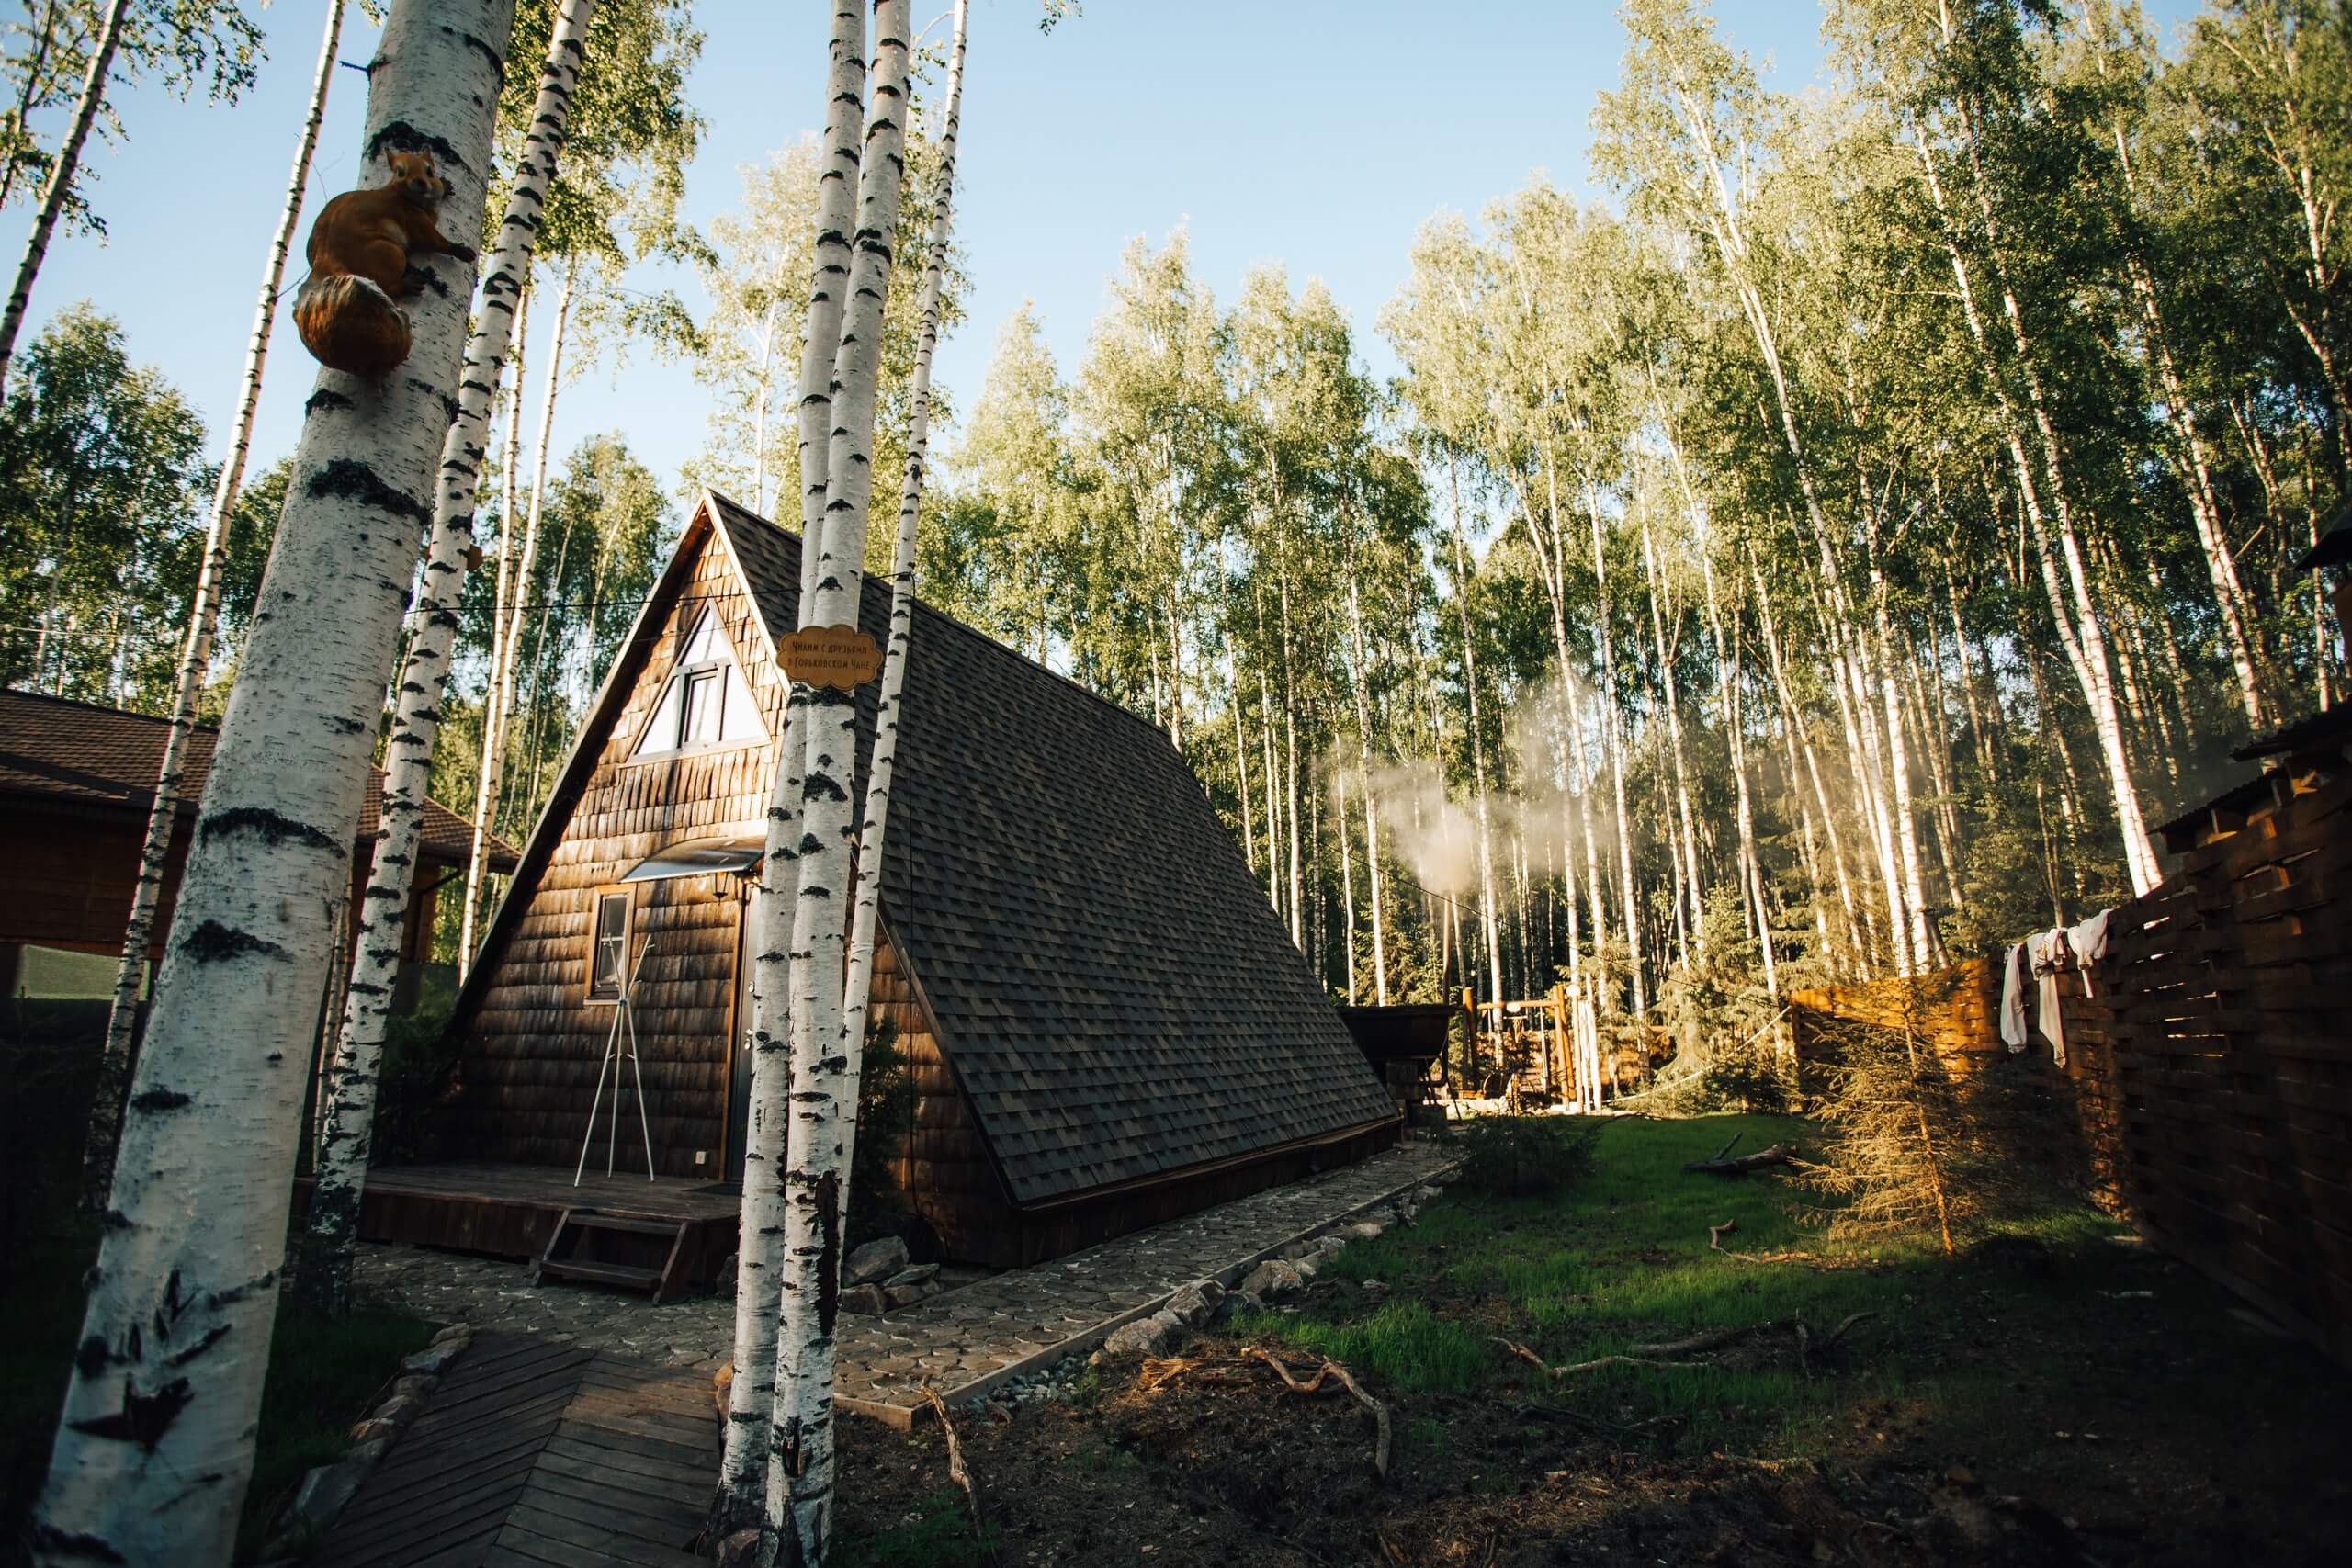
{"x":841,"y":657}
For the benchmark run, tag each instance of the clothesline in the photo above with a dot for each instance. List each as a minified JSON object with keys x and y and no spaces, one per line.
{"x":2043,"y":956}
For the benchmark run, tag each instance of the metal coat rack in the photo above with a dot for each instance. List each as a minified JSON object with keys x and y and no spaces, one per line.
{"x":624,"y":1022}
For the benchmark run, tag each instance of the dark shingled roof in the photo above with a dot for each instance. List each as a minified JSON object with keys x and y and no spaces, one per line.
{"x":1114,"y":991}
{"x":82,"y":753}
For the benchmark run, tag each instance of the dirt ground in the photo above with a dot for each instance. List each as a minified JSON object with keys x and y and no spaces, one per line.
{"x":2076,"y":1399}
{"x":1222,"y":1465}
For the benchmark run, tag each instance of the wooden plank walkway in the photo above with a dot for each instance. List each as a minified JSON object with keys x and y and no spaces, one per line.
{"x":534,"y":1453}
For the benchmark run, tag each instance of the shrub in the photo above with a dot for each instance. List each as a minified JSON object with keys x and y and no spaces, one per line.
{"x":1752,"y":1078}
{"x":1517,"y":1157}
{"x":886,"y":1104}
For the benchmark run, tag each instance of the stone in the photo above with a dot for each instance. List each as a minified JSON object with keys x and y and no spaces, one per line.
{"x":919,"y":1274}
{"x":1298,"y":1250}
{"x":322,"y":1493}
{"x":1145,"y":1336}
{"x":907,"y":1295}
{"x":455,"y":1333}
{"x":416,"y":1385}
{"x":1365,"y":1230}
{"x":431,"y":1360}
{"x":1197,"y":1303}
{"x":366,"y":1454}
{"x":397,"y":1409}
{"x":369,"y":1430}
{"x":867,"y":1298}
{"x":1309,"y":1267}
{"x":875,"y":1261}
{"x":1273,"y":1279}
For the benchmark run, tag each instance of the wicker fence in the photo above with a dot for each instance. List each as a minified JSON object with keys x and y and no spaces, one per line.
{"x":2209,"y":1059}
{"x":2213,"y":1063}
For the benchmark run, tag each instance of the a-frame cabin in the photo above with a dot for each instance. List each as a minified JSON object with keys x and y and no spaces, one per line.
{"x":1105,"y":1023}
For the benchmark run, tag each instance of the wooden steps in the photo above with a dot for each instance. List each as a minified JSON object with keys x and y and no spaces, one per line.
{"x":596,"y":1247}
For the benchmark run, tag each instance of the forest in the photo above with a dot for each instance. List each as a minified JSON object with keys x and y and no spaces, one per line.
{"x":1833,"y":549}
{"x":1829,"y":554}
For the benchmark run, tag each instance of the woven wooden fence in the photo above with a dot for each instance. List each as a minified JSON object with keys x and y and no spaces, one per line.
{"x":2213,"y":1063}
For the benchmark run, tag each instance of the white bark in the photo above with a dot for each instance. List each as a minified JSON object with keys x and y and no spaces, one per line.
{"x":493,"y":713}
{"x":873,"y":838}
{"x":60,"y":181}
{"x":500,"y":701}
{"x":743,"y":1499}
{"x":154,"y":1446}
{"x":196,"y":656}
{"x":347,"y":1118}
{"x":801,"y":1454}
{"x":837,"y":198}
{"x":1361,"y":680}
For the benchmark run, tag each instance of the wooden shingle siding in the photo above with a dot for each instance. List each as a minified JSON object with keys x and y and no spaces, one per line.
{"x":534,"y":1038}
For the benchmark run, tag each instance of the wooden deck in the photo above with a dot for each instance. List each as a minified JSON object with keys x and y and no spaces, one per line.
{"x":510,"y":1211}
{"x":534,"y":1453}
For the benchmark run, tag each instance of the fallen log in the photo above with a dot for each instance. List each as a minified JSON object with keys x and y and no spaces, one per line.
{"x":1779,"y":1154}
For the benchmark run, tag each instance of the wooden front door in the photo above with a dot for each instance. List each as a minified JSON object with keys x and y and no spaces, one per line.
{"x":738,"y":1050}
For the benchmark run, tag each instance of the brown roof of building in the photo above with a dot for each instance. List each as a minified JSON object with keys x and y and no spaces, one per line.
{"x":1116,"y":995}
{"x":56,"y":750}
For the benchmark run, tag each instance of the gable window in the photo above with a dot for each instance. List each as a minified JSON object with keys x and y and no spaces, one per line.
{"x":706,"y":702}
{"x":609,"y":954}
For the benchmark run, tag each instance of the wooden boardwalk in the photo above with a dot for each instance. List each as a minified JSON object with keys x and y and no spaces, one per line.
{"x":534,"y":1453}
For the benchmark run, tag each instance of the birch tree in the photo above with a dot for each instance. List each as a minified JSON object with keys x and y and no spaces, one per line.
{"x":750,"y":1514}
{"x":105,"y":1108}
{"x":801,"y":1452}
{"x":340,"y":1165}
{"x":873,"y":835}
{"x":154,"y":1444}
{"x":61,"y":180}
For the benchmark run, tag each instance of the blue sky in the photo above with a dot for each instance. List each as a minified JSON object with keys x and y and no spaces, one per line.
{"x":1316,"y":133}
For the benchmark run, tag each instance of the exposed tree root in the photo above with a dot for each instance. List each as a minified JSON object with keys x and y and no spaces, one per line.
{"x":1157,"y":1373}
{"x":1339,"y":1375}
{"x":957,"y":1471}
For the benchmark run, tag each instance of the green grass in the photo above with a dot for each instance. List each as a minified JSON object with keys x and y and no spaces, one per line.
{"x":938,"y":1534}
{"x":323,"y":1376}
{"x":1622,"y":1258}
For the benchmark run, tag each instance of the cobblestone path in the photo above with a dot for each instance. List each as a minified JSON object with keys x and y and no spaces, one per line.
{"x":965,"y":1342}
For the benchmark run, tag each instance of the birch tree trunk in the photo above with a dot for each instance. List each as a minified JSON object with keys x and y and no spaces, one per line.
{"x":196,"y":658}
{"x":154,"y":1446}
{"x":489,"y":789}
{"x":1477,"y":763}
{"x":802,"y":1462}
{"x":873,"y":841}
{"x":745,"y":1499}
{"x":60,"y":181}
{"x":347,"y":1118}
{"x":837,"y":209}
{"x":1361,"y":680}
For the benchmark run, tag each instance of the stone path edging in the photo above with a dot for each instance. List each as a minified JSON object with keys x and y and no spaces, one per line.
{"x":903,"y":1417}
{"x":968,"y":1342}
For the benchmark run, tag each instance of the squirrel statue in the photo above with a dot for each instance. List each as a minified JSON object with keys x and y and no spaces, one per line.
{"x":359,"y":251}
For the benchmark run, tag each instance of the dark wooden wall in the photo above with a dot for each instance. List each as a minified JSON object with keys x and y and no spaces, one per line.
{"x":67,"y":873}
{"x":534,"y":1042}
